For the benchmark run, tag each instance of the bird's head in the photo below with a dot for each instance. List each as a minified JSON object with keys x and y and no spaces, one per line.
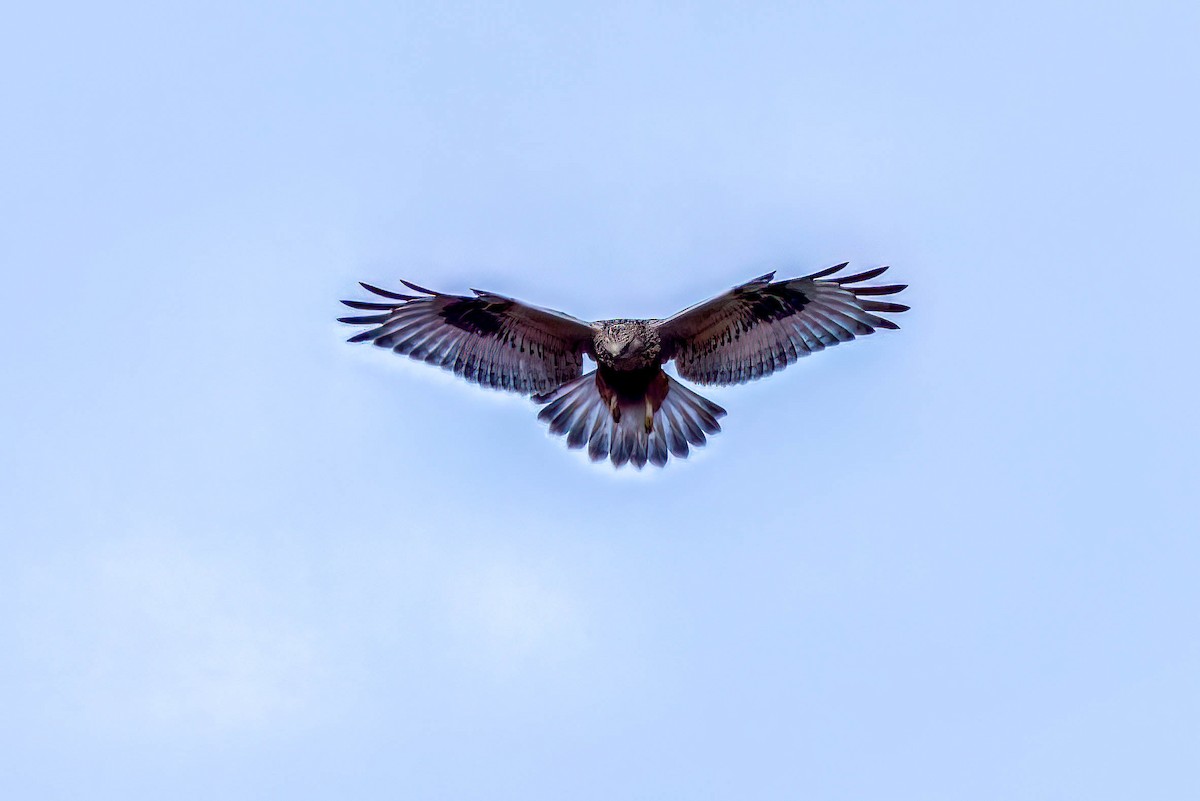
{"x":625,"y":343}
{"x":619,"y":340}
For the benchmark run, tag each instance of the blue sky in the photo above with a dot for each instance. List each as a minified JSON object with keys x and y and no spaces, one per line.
{"x":243,"y":559}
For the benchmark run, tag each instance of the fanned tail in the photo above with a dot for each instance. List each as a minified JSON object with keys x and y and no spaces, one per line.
{"x":667,"y":420}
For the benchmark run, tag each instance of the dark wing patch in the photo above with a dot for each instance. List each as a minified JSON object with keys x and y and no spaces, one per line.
{"x":489,"y":339}
{"x":765,"y":325}
{"x":775,"y":302}
{"x":476,"y":316}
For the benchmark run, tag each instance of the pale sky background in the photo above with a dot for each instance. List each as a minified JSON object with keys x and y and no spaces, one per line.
{"x":242,"y":559}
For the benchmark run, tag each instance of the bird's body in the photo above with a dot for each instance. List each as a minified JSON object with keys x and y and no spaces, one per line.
{"x":628,"y":409}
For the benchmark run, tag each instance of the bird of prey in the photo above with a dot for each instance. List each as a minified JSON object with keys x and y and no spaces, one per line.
{"x":627,"y":409}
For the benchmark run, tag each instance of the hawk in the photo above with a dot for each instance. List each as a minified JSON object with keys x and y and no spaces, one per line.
{"x":628,"y":409}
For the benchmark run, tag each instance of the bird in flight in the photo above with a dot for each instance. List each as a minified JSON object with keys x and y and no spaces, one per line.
{"x":627,"y":409}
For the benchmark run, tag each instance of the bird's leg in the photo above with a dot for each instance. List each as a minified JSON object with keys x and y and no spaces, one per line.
{"x":649,"y":415}
{"x":614,"y":407}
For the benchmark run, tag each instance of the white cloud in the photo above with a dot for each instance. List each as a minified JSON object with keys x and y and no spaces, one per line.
{"x":510,"y":615}
{"x":155,"y":633}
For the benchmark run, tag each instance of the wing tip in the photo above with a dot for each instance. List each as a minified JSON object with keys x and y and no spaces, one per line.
{"x":368,"y":305}
{"x":827,"y":271}
{"x":889,"y":289}
{"x":365,"y":319}
{"x":863,"y":276}
{"x":417,"y":288}
{"x":384,"y":293}
{"x":880,"y":306}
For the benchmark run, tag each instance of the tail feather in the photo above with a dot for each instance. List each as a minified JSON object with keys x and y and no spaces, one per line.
{"x":658,"y":447}
{"x":579,"y":411}
{"x":600,"y":437}
{"x":676,"y":440}
{"x":580,"y":427}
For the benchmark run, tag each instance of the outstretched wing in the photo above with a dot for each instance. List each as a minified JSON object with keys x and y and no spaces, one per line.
{"x":489,"y":339}
{"x":763,"y":325}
